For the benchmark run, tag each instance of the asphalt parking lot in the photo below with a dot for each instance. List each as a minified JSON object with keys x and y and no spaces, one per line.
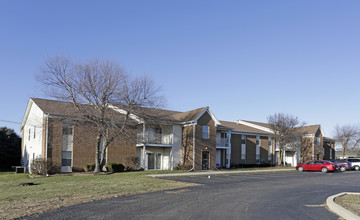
{"x":276,"y":195}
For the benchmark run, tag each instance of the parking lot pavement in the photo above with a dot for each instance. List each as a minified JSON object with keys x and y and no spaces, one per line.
{"x":279,"y":195}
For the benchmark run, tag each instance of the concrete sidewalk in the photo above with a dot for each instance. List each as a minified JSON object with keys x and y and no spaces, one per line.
{"x":338,"y":209}
{"x":220,"y":172}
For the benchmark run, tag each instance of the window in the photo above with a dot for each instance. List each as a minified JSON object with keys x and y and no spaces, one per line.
{"x":318,"y":141}
{"x":206,"y":132}
{"x":243,"y":149}
{"x":29,"y":134}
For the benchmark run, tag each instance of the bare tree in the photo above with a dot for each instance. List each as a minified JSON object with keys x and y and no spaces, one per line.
{"x":94,"y":87}
{"x":348,"y":136}
{"x":286,"y":132}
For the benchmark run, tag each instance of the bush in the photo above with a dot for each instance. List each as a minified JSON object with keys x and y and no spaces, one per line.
{"x":89,"y":167}
{"x":114,"y":167}
{"x":181,"y":166}
{"x":42,"y":166}
{"x":133,"y":163}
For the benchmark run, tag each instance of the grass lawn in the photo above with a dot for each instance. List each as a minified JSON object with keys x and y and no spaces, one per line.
{"x":350,"y":202}
{"x":65,"y":190}
{"x":57,"y":191}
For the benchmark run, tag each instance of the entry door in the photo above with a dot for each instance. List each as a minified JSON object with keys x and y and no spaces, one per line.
{"x":205,"y":160}
{"x":151,"y":161}
{"x":154,"y":161}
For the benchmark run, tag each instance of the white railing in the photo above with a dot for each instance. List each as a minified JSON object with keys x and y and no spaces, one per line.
{"x":222,"y":142}
{"x":154,"y":139}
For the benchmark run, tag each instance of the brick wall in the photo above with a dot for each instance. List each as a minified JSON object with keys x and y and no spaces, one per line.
{"x":187,"y":147}
{"x":235,"y":149}
{"x":250,"y":149}
{"x":205,"y":144}
{"x":264,"y":149}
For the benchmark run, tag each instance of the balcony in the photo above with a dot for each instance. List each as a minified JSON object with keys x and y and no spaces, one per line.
{"x":165,"y":139}
{"x":224,"y":142}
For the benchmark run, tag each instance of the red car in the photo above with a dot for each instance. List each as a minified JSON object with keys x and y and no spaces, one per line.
{"x":317,"y":165}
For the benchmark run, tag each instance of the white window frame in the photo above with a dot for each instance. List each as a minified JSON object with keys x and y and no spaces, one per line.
{"x":243,"y":149}
{"x":257,"y":149}
{"x":206,"y":134}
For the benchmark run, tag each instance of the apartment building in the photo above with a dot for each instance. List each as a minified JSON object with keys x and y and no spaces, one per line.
{"x":161,"y":140}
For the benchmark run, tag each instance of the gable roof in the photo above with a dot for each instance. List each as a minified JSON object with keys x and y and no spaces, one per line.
{"x":54,"y":107}
{"x":242,"y":128}
{"x":309,"y":129}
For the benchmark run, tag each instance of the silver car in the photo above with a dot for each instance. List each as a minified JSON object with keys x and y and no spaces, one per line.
{"x":355,"y":163}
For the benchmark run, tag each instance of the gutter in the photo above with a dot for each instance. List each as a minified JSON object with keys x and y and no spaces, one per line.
{"x":47,"y":135}
{"x":194,"y":146}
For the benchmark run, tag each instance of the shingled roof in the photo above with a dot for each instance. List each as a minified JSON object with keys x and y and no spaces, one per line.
{"x":67,"y":108}
{"x":309,"y":129}
{"x":242,"y":128}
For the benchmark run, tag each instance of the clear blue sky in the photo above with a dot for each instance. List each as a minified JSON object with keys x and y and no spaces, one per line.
{"x":244,"y":59}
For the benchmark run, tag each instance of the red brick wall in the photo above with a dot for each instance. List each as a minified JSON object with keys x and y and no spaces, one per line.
{"x":201,"y":144}
{"x":264,"y":149}
{"x":235,"y":149}
{"x":250,"y":149}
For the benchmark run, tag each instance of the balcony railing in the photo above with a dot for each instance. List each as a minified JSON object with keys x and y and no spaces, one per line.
{"x":154,"y":139}
{"x":222,"y":142}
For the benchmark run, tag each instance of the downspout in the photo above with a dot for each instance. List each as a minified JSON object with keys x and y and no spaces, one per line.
{"x":193,"y":168}
{"x":47,"y":135}
{"x":313,"y":149}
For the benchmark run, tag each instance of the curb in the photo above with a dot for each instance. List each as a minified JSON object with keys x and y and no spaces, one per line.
{"x":217,"y":173}
{"x":339,"y":210}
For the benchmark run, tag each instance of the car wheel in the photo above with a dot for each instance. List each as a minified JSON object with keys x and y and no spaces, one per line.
{"x":357,"y":168}
{"x":342,"y":169}
{"x":300,"y":169}
{"x":324,"y":170}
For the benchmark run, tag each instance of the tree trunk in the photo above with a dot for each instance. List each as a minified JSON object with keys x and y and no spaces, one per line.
{"x":343,"y":152}
{"x":103,"y":154}
{"x":97,"y":161}
{"x":281,"y":156}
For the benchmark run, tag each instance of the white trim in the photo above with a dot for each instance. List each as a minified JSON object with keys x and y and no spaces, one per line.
{"x":158,"y":145}
{"x":47,"y":135}
{"x":122,"y":111}
{"x":222,"y":147}
{"x":255,"y":126}
{"x":250,"y":134}
{"x":217,"y":122}
{"x":194,"y":146}
{"x":26,"y":115}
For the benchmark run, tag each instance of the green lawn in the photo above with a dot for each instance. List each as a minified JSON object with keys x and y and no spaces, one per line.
{"x":64,"y":190}
{"x":57,"y":191}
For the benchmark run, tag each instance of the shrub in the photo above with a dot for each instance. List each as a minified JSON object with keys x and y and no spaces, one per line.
{"x":133,"y":163}
{"x":114,"y":167}
{"x":89,"y":167}
{"x":181,"y":166}
{"x":42,"y":166}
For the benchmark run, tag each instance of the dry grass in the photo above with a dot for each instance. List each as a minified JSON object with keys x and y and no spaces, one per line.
{"x":58,"y":191}
{"x":350,"y":202}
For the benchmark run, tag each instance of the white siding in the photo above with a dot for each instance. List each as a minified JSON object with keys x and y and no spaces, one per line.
{"x":33,"y":144}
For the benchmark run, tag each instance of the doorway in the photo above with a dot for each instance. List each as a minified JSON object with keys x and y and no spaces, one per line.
{"x":154,"y":161}
{"x":205,"y":160}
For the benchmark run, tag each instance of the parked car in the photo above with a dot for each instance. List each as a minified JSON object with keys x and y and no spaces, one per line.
{"x":355,"y":163}
{"x":317,"y":165}
{"x":342,"y":165}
